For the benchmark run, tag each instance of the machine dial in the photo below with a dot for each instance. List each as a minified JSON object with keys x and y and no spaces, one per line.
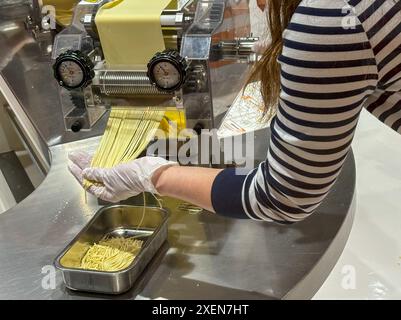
{"x":167,"y":70}
{"x":73,"y":70}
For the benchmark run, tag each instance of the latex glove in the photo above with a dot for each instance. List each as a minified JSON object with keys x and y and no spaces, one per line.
{"x":80,"y":160}
{"x":122,"y":181}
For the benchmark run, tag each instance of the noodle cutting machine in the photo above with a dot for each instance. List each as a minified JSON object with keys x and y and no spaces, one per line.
{"x":110,"y":56}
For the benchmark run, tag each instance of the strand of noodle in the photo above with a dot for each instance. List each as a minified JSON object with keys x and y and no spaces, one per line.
{"x":114,"y":144}
{"x":131,"y":138}
{"x":158,"y":200}
{"x":141,"y":130}
{"x":143,"y":211}
{"x":112,"y":127}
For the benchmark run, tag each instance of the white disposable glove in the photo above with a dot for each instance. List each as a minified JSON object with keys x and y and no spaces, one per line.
{"x":120,"y":182}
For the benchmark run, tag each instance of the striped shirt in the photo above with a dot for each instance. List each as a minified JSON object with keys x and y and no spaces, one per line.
{"x":338,"y":57}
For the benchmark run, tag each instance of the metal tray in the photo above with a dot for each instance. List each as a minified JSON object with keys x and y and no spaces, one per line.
{"x":117,"y":220}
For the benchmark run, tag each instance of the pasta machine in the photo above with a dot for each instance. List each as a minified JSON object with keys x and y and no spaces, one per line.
{"x":104,"y":59}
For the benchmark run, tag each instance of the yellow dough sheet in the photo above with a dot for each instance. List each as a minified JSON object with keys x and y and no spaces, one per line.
{"x":130,"y":31}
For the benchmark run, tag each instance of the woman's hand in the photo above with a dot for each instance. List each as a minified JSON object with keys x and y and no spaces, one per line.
{"x":122,"y":181}
{"x":147,"y":174}
{"x":80,"y":160}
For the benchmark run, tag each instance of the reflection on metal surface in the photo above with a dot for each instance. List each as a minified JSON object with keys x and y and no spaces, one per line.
{"x":314,"y":279}
{"x":378,"y":290}
{"x":7,"y":200}
{"x":11,"y":9}
{"x":189,"y":208}
{"x":13,"y":2}
{"x":32,"y":139}
{"x":8,"y":27}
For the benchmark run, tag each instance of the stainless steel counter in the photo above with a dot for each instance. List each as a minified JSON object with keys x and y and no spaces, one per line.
{"x":207,"y":257}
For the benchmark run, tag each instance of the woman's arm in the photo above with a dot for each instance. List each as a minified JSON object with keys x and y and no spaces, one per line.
{"x":191,"y":184}
{"x":147,"y":174}
{"x":327,"y":72}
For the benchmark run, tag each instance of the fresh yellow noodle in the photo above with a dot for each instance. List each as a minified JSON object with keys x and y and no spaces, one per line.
{"x":128,"y":132}
{"x":113,"y":254}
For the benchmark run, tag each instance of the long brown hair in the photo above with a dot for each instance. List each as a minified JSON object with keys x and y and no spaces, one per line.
{"x":267,"y":68}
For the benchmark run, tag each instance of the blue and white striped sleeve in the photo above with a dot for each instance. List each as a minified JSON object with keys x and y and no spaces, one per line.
{"x":327,"y":73}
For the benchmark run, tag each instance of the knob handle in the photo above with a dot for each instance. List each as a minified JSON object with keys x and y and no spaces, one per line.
{"x":82,"y":61}
{"x":76,"y":126}
{"x":174,"y":58}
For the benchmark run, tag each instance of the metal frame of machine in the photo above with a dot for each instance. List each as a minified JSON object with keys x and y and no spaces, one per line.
{"x":208,"y":51}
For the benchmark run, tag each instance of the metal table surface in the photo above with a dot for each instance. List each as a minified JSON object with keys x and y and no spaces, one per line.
{"x":206,"y":257}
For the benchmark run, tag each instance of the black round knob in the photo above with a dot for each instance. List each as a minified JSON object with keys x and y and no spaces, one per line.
{"x":76,"y":126}
{"x":167,"y":70}
{"x":73,"y":69}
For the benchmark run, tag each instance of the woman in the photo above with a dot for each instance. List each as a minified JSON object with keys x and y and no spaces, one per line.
{"x":327,"y":60}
